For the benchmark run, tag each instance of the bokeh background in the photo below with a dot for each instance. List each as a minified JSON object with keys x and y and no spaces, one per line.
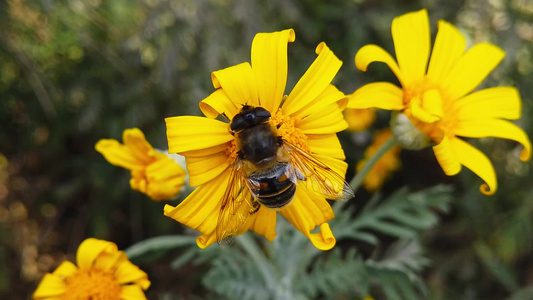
{"x":73,"y":72}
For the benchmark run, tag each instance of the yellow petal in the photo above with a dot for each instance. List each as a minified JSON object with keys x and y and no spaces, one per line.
{"x":269,"y":64}
{"x":90,"y":249}
{"x":118,"y":155}
{"x":201,"y":208}
{"x":478,"y":163}
{"x":325,"y":120}
{"x":307,"y":211}
{"x":330,"y":95}
{"x":471,"y":69}
{"x":238,"y":83}
{"x":315,"y":80}
{"x":371,"y":53}
{"x":382,"y":95}
{"x":164,"y":169}
{"x":187,"y":133}
{"x":218,"y":103}
{"x":497,"y":102}
{"x":65,"y":269}
{"x":50,"y":286}
{"x":337,"y":165}
{"x":495,"y":128}
{"x":449,"y":47}
{"x":165,"y":179}
{"x":264,"y":223}
{"x":165,"y":190}
{"x":327,"y":145}
{"x":207,"y":239}
{"x":107,"y":261}
{"x":140,"y":148}
{"x":445,"y":154}
{"x":432,"y":103}
{"x":130,"y":273}
{"x":205,"y":168}
{"x":132,"y":292}
{"x":419,"y":113}
{"x":207,"y":151}
{"x":411,"y":36}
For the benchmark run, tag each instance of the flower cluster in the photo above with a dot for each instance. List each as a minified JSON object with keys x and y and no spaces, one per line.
{"x":435,"y":106}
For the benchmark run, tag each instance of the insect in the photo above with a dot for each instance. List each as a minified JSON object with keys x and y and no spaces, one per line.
{"x":267,"y":172}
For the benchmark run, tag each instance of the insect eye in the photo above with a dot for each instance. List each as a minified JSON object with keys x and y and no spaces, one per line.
{"x":238,"y":123}
{"x":250,"y":117}
{"x":262,"y":115}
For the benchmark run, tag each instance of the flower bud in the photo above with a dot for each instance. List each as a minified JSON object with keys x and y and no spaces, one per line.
{"x":407,"y":134}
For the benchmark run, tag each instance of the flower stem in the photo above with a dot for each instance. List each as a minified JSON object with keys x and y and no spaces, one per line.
{"x":360,"y":176}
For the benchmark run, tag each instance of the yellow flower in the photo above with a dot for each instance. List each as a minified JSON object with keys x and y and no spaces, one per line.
{"x":387,"y":164}
{"x":102,"y":273}
{"x":152,"y":173}
{"x":440,"y":101}
{"x":309,"y":117}
{"x":359,"y":119}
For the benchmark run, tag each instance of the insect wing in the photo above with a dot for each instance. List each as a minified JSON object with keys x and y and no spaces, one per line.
{"x":236,"y":206}
{"x":317,"y":176}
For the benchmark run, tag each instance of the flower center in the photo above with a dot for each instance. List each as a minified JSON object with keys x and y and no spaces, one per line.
{"x":289,"y":132}
{"x":92,"y":284}
{"x":430,"y":109}
{"x":231,"y":151}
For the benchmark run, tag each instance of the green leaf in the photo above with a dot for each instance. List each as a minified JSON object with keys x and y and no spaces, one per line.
{"x":402,"y":215}
{"x":496,"y":266}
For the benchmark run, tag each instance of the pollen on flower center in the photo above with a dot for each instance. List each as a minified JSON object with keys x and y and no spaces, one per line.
{"x":430,"y":108}
{"x":289,"y":132}
{"x":231,"y":151}
{"x":92,"y":284}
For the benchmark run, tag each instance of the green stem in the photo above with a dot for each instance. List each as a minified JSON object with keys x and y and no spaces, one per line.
{"x":360,"y":176}
{"x":251,"y":248}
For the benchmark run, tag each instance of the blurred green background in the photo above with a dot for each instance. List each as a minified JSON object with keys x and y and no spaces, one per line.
{"x":73,"y":72}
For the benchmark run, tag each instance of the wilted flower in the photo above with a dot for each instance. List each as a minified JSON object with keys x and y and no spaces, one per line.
{"x":437,"y":97}
{"x":152,"y":172}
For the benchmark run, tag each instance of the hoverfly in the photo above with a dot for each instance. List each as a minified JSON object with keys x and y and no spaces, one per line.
{"x":267,"y":172}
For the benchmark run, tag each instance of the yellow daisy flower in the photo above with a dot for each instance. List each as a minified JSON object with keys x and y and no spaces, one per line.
{"x":359,"y":119}
{"x":309,"y":117}
{"x":102,"y":273}
{"x":152,"y":173}
{"x":387,"y":164}
{"x":437,"y":96}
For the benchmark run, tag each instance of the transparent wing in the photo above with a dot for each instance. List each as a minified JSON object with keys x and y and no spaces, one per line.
{"x":317,"y":176}
{"x":237,"y":206}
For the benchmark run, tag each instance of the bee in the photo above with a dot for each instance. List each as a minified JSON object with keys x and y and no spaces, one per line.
{"x":267,"y":172}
